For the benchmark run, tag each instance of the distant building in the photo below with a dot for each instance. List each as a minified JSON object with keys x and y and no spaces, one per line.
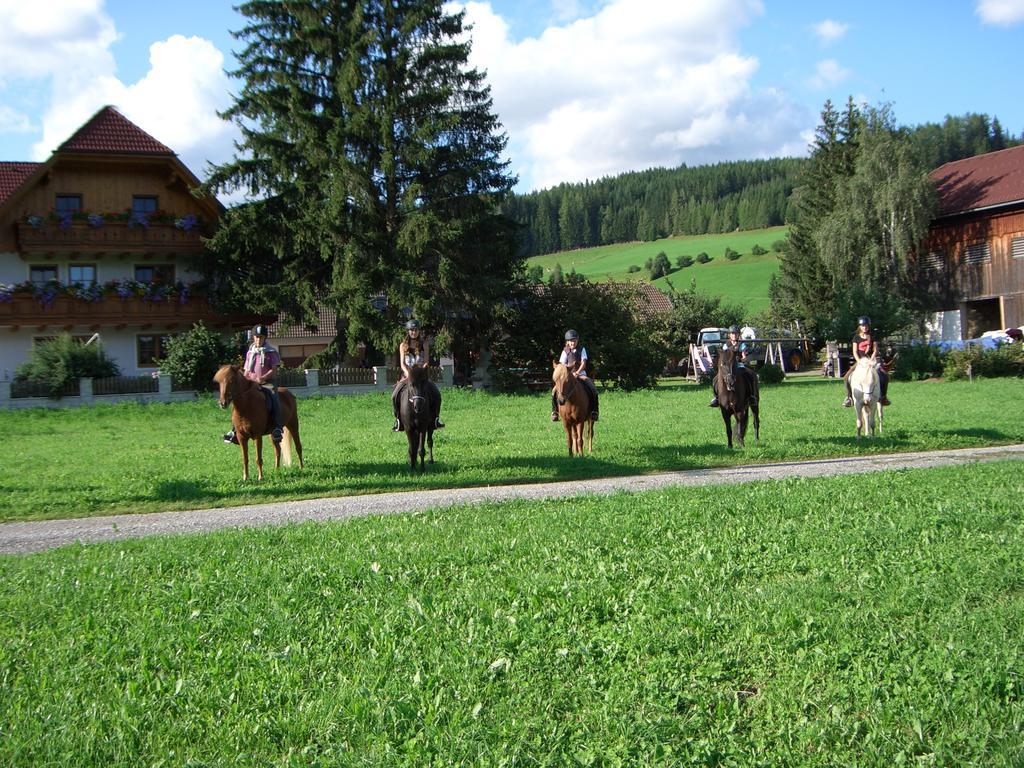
{"x":100,"y":239}
{"x":974,"y":251}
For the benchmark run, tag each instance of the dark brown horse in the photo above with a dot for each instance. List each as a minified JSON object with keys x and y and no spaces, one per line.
{"x":251,"y":419}
{"x":573,"y":410}
{"x":419,"y":408}
{"x":737,"y":392}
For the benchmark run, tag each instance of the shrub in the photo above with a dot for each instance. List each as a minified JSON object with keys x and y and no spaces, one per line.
{"x":1006,"y":360}
{"x":684,"y":261}
{"x":63,"y":360}
{"x":918,"y":361}
{"x":194,"y":356}
{"x":757,"y":250}
{"x":730,"y":254}
{"x":660,"y":266}
{"x":779,"y":246}
{"x":703,"y":258}
{"x":633,"y":268}
{"x":770,"y":373}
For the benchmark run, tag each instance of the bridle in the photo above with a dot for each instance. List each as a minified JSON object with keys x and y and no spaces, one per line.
{"x":563,"y":397}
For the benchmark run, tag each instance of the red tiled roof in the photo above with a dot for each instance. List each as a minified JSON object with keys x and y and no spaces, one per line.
{"x":286,"y":328}
{"x":656,"y":301}
{"x":110,"y":131}
{"x":983,"y":181}
{"x":12,"y":175}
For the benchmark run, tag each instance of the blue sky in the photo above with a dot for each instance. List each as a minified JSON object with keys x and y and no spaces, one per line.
{"x":585,"y":88}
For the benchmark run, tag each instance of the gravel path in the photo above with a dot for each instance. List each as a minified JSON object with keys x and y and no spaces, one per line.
{"x":20,"y":538}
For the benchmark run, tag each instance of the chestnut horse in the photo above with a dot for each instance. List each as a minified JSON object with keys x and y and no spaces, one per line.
{"x":737,"y":392}
{"x":573,"y":410}
{"x":867,"y":397}
{"x":419,"y":407}
{"x":251,"y":419}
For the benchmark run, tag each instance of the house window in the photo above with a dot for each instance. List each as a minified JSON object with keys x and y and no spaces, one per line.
{"x":144,"y":204}
{"x":155,"y":273}
{"x":149,"y":349}
{"x":83,"y":275}
{"x":1017,"y":247}
{"x":40,"y":274}
{"x":977,"y":253}
{"x":68,"y":203}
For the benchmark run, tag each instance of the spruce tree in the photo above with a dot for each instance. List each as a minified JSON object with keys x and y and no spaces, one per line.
{"x":372,"y":156}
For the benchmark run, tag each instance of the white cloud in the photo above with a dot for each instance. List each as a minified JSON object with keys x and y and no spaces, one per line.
{"x":641,"y":83}
{"x":829,"y":31}
{"x":176,"y":101}
{"x":62,"y":58}
{"x":1000,"y":12}
{"x":827,"y":74}
{"x":13,"y":121}
{"x":40,"y":42}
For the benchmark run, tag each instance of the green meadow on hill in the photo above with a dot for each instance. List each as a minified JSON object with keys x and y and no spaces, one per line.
{"x":743,"y":281}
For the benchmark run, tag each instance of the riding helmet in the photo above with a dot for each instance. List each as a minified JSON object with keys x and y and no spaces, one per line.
{"x":571,"y":335}
{"x":412,"y":324}
{"x":260,"y":330}
{"x":734,"y":329}
{"x":864,"y":320}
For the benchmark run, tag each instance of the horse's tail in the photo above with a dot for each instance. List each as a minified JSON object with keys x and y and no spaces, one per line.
{"x":286,"y":448}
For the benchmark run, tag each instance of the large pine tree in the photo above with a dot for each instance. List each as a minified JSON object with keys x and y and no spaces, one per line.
{"x":371,"y":155}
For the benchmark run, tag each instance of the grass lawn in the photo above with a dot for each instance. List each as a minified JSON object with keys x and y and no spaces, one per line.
{"x":744,"y":281}
{"x":871,"y":621}
{"x":89,"y":461}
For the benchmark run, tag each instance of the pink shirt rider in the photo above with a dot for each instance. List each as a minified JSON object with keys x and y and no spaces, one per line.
{"x":260,"y":362}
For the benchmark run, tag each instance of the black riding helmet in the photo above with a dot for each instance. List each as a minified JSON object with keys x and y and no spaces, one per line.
{"x":260,"y":330}
{"x":864,"y":320}
{"x":571,"y":335}
{"x":412,"y":325}
{"x":734,"y":329}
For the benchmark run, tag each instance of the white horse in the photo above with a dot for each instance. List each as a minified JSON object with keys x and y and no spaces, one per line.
{"x":867,"y":397}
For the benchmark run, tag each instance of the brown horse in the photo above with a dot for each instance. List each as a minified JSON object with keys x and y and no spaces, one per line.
{"x":573,"y":410}
{"x":251,"y":419}
{"x":737,"y":392}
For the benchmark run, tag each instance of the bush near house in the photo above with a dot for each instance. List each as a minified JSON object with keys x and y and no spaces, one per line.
{"x":194,"y":356}
{"x":1006,"y":360}
{"x":57,"y":363}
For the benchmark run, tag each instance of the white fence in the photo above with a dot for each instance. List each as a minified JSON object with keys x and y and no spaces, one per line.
{"x":350,"y":381}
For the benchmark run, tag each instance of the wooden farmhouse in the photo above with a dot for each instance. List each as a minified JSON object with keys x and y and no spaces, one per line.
{"x":974,"y":251}
{"x":102,"y":238}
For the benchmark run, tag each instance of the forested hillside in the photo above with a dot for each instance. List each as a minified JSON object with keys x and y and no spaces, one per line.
{"x":749,"y":194}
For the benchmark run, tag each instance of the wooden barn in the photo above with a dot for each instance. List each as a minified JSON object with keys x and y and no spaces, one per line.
{"x":974,"y":251}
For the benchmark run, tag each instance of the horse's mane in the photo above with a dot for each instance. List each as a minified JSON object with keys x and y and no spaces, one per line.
{"x":417,"y":375}
{"x":560,"y":374}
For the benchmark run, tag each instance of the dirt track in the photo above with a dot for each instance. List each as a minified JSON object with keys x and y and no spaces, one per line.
{"x":21,"y":538}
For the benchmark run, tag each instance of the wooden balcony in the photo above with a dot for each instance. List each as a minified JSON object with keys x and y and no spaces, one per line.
{"x":65,"y":312}
{"x":113,"y":237}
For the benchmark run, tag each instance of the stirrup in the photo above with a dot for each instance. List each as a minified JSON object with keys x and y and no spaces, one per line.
{"x":438,"y":424}
{"x":398,"y":426}
{"x":554,"y":416}
{"x":848,"y":402}
{"x":713,"y":403}
{"x":231,"y":437}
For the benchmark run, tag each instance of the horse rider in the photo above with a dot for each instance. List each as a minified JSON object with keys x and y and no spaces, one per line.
{"x":261,"y":363}
{"x":741,"y":350}
{"x":574,"y":357}
{"x":865,"y":345}
{"x":413,"y":352}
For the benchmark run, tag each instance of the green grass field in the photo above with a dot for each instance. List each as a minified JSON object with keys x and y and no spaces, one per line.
{"x":129,"y":458}
{"x":870,"y":620}
{"x":744,"y":281}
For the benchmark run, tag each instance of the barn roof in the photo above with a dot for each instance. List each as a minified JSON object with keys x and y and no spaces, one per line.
{"x":652,"y":300}
{"x":984,"y":181}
